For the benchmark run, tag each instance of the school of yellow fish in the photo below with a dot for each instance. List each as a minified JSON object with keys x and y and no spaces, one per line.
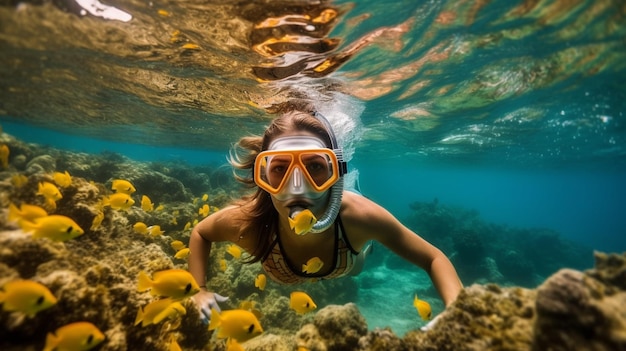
{"x":168,"y":287}
{"x":30,"y":297}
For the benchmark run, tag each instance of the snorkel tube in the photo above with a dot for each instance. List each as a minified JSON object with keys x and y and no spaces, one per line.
{"x":336,"y":191}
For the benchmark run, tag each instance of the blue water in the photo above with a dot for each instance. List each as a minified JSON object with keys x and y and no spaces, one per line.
{"x":137,"y":152}
{"x":585,"y":205}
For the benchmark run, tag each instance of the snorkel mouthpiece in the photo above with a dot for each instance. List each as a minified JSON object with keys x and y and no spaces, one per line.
{"x":295,"y":210}
{"x":301,"y":220}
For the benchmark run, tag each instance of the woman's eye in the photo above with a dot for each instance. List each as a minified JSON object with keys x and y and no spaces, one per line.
{"x":316,"y":167}
{"x":278,"y":169}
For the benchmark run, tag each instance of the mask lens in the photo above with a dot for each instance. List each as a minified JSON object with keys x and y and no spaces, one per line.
{"x":274,"y":169}
{"x":318,"y":166}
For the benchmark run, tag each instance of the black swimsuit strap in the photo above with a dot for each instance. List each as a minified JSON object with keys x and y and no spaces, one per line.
{"x":344,"y":236}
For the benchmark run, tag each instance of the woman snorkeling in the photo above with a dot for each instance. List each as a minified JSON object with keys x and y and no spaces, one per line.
{"x":300,"y":223}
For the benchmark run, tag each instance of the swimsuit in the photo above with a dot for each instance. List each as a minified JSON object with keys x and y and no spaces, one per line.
{"x":278,"y":267}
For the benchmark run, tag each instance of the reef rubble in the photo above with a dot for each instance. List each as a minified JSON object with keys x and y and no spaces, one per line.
{"x":94,"y":278}
{"x":571,"y":310}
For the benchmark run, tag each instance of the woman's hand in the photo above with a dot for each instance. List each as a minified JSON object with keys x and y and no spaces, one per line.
{"x":205,"y":301}
{"x":430,"y":325}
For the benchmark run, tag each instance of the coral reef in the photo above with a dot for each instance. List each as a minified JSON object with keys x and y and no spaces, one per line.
{"x":489,"y":253}
{"x":94,"y":275}
{"x":334,"y":328}
{"x":483,"y":317}
{"x":572,"y":310}
{"x":584,"y":311}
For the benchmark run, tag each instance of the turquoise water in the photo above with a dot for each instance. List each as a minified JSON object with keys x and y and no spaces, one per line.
{"x":583,"y":203}
{"x":514,"y":110}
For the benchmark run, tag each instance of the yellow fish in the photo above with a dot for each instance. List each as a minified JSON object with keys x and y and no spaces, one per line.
{"x":159,"y":208}
{"x":233,"y":345}
{"x":97,"y":220}
{"x":62,"y":179}
{"x":146,"y":204}
{"x":260,"y":281}
{"x":182,"y":253}
{"x":19,"y":180}
{"x":155,"y":230}
{"x":174,"y":283}
{"x":240,"y":325}
{"x":302,"y":222}
{"x":204,"y":210}
{"x":157,"y":311}
{"x":141,"y":228}
{"x":53,"y":227}
{"x":223,"y":265}
{"x":49,"y":191}
{"x":78,"y":336}
{"x":250,"y":306}
{"x":4,"y":156}
{"x":26,"y":213}
{"x":205,"y":197}
{"x":234,"y":250}
{"x":187,"y":226}
{"x":247,"y":305}
{"x":313,"y":265}
{"x":191,"y":46}
{"x":50,"y":204}
{"x":26,"y":296}
{"x":174,"y":345}
{"x":118,"y":201}
{"x":423,"y":308}
{"x":301,"y":302}
{"x":123,"y":186}
{"x":177,"y":245}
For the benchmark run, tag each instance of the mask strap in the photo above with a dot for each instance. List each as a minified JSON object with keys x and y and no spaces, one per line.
{"x":343,"y":165}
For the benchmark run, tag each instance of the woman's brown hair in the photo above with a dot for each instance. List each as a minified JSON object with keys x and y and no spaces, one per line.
{"x":262,"y":219}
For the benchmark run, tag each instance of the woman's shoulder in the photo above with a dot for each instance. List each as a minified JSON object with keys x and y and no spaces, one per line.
{"x":365,"y":220}
{"x":223,"y":224}
{"x":359,"y":210}
{"x":358,"y":216}
{"x":357,"y":204}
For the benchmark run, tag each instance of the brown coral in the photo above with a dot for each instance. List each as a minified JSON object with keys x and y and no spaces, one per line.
{"x":482,"y":318}
{"x":579,"y":311}
{"x":335,"y":327}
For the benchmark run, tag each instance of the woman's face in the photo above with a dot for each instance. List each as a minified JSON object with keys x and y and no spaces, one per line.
{"x":298,"y":193}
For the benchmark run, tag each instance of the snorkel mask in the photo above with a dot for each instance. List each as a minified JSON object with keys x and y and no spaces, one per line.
{"x":302,"y":166}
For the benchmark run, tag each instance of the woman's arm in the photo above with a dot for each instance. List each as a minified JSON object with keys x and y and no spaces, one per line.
{"x":366,"y":220}
{"x":199,"y":251}
{"x":215,"y":228}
